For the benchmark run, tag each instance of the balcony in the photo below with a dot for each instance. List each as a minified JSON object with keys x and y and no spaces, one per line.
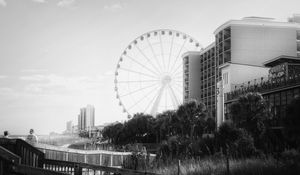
{"x":264,"y":87}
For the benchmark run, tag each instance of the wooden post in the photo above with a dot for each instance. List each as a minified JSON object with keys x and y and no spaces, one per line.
{"x":67,"y":156}
{"x":111,"y":160}
{"x":100,"y":162}
{"x":178,"y":167}
{"x":227,"y":159}
{"x":122,"y":159}
{"x":77,"y":169}
{"x":227,"y":165}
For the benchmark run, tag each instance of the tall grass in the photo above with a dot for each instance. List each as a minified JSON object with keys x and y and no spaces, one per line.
{"x":211,"y":166}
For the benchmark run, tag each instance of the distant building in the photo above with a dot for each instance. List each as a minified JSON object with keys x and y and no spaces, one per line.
{"x":69,"y":127}
{"x":250,"y":41}
{"x":86,"y":118}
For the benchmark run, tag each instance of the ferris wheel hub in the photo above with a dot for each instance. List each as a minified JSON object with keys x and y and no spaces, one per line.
{"x":165,"y":80}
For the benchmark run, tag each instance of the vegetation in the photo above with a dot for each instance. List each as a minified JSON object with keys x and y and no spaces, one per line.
{"x":217,"y":166}
{"x":247,"y":138}
{"x":189,"y":121}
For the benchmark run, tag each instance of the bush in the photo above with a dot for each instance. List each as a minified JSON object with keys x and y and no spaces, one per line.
{"x":235,"y":142}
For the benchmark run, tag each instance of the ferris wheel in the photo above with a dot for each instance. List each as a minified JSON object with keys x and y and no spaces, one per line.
{"x":149,"y":73}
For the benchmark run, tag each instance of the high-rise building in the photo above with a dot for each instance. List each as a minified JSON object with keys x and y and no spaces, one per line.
{"x":249,"y":41}
{"x":86,"y":118}
{"x":69,"y":127}
{"x":190,"y":67}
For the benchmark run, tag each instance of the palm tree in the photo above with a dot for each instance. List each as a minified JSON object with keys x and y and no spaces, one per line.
{"x":250,"y":112}
{"x":190,"y":115}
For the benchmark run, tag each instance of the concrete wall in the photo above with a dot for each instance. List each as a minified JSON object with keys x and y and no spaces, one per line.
{"x":238,"y":74}
{"x":257,"y":44}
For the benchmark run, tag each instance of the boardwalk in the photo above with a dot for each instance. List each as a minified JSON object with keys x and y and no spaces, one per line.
{"x":98,"y":157}
{"x":19,"y":157}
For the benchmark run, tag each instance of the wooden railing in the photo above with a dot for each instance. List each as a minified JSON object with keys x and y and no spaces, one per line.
{"x":19,"y":157}
{"x":10,"y":163}
{"x":29,"y":155}
{"x":98,"y":157}
{"x":76,"y":168}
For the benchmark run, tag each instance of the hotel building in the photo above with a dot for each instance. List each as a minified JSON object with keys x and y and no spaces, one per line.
{"x":250,"y":41}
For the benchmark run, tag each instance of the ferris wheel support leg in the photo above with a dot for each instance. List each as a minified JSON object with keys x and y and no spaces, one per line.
{"x":174,"y":97}
{"x":156,"y":102}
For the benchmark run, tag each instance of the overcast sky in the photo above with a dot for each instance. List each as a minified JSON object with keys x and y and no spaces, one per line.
{"x":59,"y":55}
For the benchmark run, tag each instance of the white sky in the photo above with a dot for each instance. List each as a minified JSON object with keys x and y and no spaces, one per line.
{"x":59,"y":55}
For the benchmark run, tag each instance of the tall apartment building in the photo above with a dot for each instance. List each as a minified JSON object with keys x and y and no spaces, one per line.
{"x":86,"y":118}
{"x":190,"y":67}
{"x":249,"y":41}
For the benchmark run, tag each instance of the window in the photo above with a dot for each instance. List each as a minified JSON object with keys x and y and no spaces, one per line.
{"x":225,"y":78}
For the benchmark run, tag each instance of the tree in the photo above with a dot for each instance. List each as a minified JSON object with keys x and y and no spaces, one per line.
{"x":191,"y":116}
{"x":292,"y":122}
{"x":234,"y":141}
{"x":165,"y":125}
{"x":112,"y":132}
{"x":250,"y":112}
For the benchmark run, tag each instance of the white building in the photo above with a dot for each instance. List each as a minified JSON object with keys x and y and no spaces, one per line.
{"x":246,"y":44}
{"x":191,"y":66}
{"x":69,"y":127}
{"x":86,"y":118}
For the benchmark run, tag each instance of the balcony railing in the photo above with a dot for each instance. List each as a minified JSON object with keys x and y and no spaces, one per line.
{"x":264,"y":86}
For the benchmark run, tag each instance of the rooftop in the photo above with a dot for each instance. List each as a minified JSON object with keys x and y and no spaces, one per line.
{"x":282,"y":59}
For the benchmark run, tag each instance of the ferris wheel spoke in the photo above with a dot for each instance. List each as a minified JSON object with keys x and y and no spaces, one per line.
{"x":173,"y":102}
{"x":155,"y":73}
{"x":173,"y":97}
{"x":157,"y":101}
{"x":141,"y":81}
{"x":178,"y":91}
{"x":177,"y":81}
{"x":180,"y":86}
{"x":152,"y":50}
{"x":162,"y":51}
{"x":151,"y":101}
{"x":170,"y":53}
{"x":180,"y":73}
{"x":138,"y":90}
{"x":176,"y":70}
{"x":143,"y":98}
{"x":178,"y":55}
{"x":146,"y":58}
{"x":178,"y":77}
{"x":141,"y":73}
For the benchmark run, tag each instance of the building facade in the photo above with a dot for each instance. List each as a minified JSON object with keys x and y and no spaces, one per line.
{"x":191,"y":65}
{"x":86,"y":118}
{"x":69,"y":127}
{"x":278,"y":88}
{"x":250,"y":42}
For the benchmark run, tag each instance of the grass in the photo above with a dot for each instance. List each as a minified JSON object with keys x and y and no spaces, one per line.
{"x":251,"y":166}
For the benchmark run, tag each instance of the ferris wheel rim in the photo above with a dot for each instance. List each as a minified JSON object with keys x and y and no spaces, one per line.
{"x":135,"y":42}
